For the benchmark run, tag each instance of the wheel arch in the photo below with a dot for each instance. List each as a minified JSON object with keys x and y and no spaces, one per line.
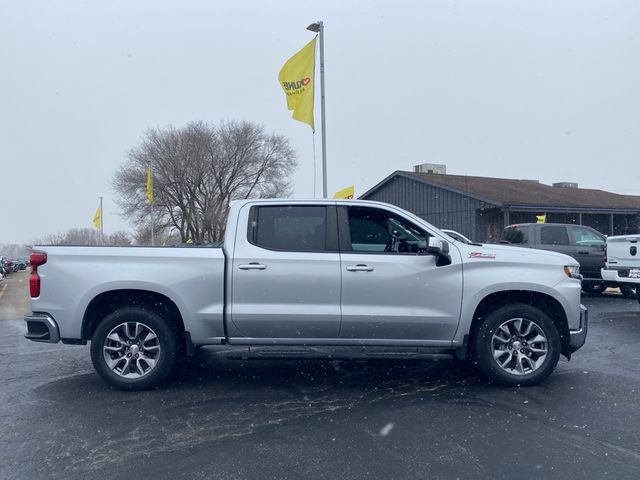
{"x":549,"y":305}
{"x":109,"y":301}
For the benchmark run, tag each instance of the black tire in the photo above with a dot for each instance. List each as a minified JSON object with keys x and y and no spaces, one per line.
{"x":166,"y":341}
{"x":628,"y":291}
{"x":594,"y":289}
{"x":484,"y":345}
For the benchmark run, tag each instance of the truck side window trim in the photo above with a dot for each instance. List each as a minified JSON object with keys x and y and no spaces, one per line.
{"x":331,"y":229}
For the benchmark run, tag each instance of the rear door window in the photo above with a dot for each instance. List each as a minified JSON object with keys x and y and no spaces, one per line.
{"x":554,"y":235}
{"x":516,"y":235}
{"x":290,"y":228}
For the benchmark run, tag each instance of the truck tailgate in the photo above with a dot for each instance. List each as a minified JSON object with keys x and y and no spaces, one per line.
{"x":623,"y":251}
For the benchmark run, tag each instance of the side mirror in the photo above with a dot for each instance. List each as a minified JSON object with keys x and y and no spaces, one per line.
{"x":439,"y":248}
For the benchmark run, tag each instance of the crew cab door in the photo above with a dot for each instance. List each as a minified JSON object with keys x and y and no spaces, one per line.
{"x":285,"y":273}
{"x":554,"y":238}
{"x":392,"y":289}
{"x":589,"y":246}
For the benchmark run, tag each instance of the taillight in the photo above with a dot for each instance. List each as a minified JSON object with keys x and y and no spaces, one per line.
{"x":36,"y":259}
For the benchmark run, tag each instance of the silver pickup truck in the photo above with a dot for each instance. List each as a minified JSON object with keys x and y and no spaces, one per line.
{"x":340,"y":277}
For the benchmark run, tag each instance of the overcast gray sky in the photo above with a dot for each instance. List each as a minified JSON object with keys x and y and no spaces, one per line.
{"x":514,"y":89}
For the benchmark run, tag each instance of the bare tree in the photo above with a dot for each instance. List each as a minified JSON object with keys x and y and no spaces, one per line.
{"x":163,"y":236}
{"x":198,"y":170}
{"x":119,"y":238}
{"x":13,"y":250}
{"x":85,"y":236}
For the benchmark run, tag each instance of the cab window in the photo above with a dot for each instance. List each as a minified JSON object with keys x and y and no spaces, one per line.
{"x":554,"y":235}
{"x":585,"y":237}
{"x":290,"y":228}
{"x":379,"y":231}
{"x":516,"y":235}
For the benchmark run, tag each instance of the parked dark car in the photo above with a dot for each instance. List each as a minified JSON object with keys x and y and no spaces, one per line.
{"x":583,"y":243}
{"x":8,"y":265}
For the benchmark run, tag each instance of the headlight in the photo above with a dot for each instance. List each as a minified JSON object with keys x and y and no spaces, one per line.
{"x":572,"y":271}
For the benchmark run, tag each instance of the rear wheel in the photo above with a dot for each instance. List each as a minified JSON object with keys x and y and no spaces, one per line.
{"x":517,"y":345}
{"x":133,"y":349}
{"x":628,"y":291}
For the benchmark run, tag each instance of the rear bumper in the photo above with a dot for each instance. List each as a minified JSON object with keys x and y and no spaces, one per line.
{"x":619,"y":275}
{"x":579,"y":336}
{"x":41,"y":327}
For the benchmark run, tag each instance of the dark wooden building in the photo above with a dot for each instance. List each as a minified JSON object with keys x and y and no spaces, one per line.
{"x":480,"y":207}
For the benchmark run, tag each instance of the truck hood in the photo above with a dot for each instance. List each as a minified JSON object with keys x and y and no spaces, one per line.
{"x":507,"y":253}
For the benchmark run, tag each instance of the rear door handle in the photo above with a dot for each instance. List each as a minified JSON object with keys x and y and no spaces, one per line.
{"x":252,"y":266}
{"x":359,"y":268}
{"x":583,"y":253}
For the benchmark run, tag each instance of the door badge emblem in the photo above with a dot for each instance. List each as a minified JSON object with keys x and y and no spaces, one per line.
{"x":490,"y":256}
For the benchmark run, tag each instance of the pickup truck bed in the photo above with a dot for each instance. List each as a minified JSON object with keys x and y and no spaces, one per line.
{"x":84,"y":282}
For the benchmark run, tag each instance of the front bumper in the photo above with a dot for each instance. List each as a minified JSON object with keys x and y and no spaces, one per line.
{"x":579,"y":336}
{"x":41,"y":327}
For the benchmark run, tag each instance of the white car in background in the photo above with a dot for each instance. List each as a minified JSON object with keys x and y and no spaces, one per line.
{"x":457,"y":236}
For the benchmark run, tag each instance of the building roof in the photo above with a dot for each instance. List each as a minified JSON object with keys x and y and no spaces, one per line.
{"x":506,"y":192}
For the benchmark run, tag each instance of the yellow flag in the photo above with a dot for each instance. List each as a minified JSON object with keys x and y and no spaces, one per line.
{"x":97,"y":219}
{"x":345,"y":193}
{"x":297,"y":81}
{"x":149,"y":185}
{"x":541,"y":218}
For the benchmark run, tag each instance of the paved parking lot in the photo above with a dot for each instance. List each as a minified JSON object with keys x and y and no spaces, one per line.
{"x":230,"y":419}
{"x":14,"y":295}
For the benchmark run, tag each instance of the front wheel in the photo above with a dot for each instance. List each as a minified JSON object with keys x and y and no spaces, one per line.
{"x":517,"y":345}
{"x":133,"y":349}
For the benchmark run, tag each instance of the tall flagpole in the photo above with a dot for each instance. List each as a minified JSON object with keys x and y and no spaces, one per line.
{"x":153,"y":236}
{"x":322,"y":113}
{"x":101,"y":223}
{"x":319,"y":28}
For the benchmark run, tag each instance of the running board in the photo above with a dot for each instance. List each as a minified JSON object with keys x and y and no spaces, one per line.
{"x":337,"y":353}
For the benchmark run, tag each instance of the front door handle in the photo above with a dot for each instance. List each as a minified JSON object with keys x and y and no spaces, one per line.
{"x":361,"y":267}
{"x":252,"y":266}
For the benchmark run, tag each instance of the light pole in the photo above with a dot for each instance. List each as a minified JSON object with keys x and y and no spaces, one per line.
{"x":318,"y":27}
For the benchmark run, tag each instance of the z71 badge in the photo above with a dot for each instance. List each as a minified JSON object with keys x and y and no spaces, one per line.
{"x":482,"y":255}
